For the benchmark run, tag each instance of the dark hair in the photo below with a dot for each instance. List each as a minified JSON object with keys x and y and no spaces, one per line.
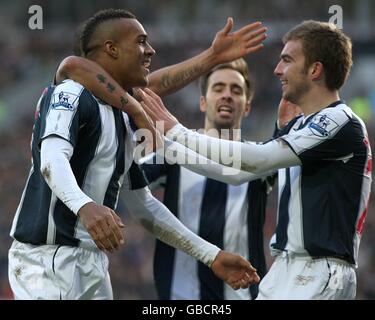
{"x":90,"y":26}
{"x":238,"y":65}
{"x":326,"y":43}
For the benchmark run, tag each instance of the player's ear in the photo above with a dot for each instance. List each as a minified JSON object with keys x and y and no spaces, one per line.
{"x":247,"y":109}
{"x":316,"y":70}
{"x":111,"y":48}
{"x":202,"y":104}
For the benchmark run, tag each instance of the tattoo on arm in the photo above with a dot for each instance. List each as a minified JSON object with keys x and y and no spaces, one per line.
{"x":124,"y":101}
{"x":110,"y":87}
{"x":101,"y":78}
{"x":181,"y":78}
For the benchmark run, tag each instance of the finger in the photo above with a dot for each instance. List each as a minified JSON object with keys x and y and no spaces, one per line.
{"x":235,"y":285}
{"x":114,"y":241}
{"x":228,"y":27}
{"x":106,"y":236}
{"x":149,"y":98}
{"x":248,"y":28}
{"x":109,"y":246}
{"x":117,"y":219}
{"x":255,"y":48}
{"x":254,"y":34}
{"x":258,"y":40}
{"x":97,"y":236}
{"x":159,"y":105}
{"x":153,"y":95}
{"x":244,"y":284}
{"x":150,"y":112}
{"x":245,"y":266}
{"x":115,"y":237}
{"x":100,"y":245}
{"x":250,"y":268}
{"x":256,"y":277}
{"x":136,"y":93}
{"x":117,"y":232}
{"x":253,"y":277}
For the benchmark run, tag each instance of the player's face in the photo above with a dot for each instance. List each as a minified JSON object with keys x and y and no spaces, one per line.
{"x":135,"y":54}
{"x":225,"y":102}
{"x":291,"y":72}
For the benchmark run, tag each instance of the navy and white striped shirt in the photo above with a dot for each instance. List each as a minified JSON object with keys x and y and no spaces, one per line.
{"x":230,"y":217}
{"x":323,"y":203}
{"x":102,"y":161}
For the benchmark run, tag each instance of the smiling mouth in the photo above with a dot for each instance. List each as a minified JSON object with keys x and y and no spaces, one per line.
{"x":146,"y":65}
{"x":283,"y":83}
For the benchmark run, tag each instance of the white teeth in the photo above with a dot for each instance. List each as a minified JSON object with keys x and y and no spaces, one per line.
{"x":224,"y":108}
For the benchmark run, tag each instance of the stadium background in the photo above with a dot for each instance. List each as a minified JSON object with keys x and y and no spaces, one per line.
{"x":178,"y":29}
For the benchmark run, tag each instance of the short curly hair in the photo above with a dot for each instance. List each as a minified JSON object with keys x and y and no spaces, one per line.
{"x":91,"y":25}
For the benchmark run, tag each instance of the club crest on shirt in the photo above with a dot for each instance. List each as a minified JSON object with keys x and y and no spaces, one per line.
{"x":322,"y":125}
{"x":64,"y":101}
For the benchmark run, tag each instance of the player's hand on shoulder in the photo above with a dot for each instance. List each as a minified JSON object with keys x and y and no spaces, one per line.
{"x":234,"y":270}
{"x":287,"y":111}
{"x":104,"y":226}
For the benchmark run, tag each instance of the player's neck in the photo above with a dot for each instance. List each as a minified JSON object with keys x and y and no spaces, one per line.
{"x":317,"y":100}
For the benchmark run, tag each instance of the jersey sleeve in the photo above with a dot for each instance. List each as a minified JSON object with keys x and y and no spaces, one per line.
{"x":329,"y":135}
{"x":69,"y":108}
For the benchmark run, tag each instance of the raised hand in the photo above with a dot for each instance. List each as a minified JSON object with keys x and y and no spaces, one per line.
{"x":229,"y":46}
{"x":234,"y":270}
{"x":155,"y":109}
{"x":104,"y":226}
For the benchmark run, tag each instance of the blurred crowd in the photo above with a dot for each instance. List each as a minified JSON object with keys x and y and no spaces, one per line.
{"x":178,"y":30}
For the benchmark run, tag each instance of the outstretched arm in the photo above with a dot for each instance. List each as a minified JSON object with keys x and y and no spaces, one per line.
{"x":175,"y":152}
{"x":226,"y":46}
{"x":157,"y":219}
{"x":251,"y":157}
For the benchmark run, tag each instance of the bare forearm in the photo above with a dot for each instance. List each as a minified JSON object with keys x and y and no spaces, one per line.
{"x":170,"y":79}
{"x":94,"y":78}
{"x":226,"y":46}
